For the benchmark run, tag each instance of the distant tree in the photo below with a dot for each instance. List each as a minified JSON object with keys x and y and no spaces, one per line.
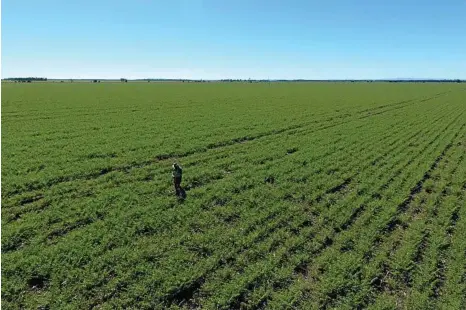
{"x":26,"y":79}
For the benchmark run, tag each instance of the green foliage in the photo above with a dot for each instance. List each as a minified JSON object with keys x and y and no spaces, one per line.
{"x":304,"y":195}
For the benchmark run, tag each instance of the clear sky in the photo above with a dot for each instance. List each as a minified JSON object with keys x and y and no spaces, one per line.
{"x":214,"y":39}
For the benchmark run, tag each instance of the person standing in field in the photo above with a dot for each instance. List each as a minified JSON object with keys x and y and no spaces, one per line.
{"x":177,"y":174}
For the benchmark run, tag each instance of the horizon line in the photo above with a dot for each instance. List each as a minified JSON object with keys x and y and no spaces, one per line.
{"x":237,"y":79}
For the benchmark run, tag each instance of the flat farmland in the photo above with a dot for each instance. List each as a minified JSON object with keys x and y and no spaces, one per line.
{"x":299,"y":195}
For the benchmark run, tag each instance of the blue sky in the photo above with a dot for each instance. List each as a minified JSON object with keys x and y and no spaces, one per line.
{"x":234,"y":39}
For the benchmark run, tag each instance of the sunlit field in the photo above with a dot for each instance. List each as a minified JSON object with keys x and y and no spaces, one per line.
{"x":304,"y":195}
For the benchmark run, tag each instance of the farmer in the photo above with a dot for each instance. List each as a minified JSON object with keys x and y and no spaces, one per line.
{"x":177,"y":173}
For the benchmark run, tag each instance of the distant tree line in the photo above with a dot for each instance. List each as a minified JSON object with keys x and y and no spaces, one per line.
{"x":27,"y":79}
{"x":124,"y":80}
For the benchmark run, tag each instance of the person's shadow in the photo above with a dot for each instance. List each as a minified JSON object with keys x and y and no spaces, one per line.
{"x":182,"y":194}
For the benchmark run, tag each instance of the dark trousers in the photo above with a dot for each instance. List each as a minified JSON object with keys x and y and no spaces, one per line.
{"x":177,"y":183}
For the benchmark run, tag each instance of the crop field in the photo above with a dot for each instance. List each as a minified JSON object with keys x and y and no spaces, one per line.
{"x":299,"y":196}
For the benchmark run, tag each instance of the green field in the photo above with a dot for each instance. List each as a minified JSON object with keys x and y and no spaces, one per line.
{"x":299,"y":195}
